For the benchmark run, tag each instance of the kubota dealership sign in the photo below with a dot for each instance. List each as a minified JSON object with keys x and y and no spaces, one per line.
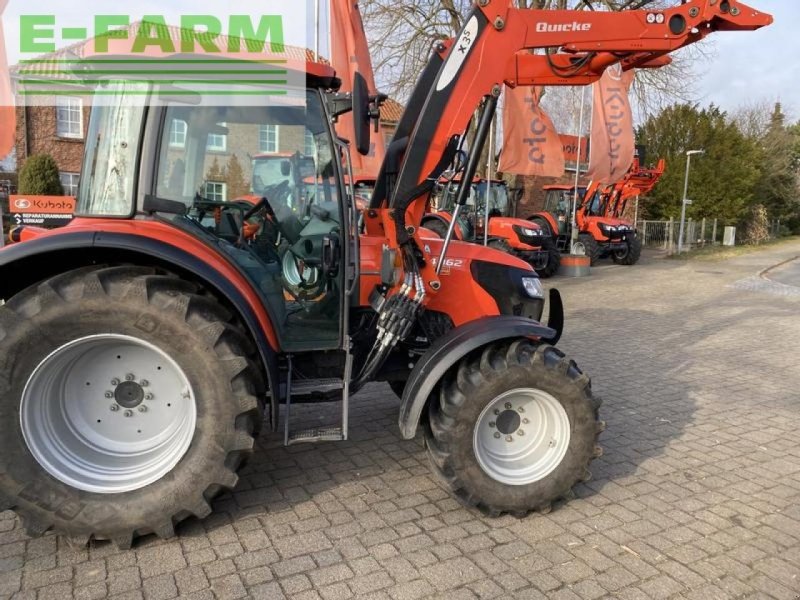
{"x":42,"y":211}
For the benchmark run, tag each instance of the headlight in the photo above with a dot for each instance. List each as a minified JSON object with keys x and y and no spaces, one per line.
{"x":533,"y":287}
{"x":605,"y":227}
{"x":531,"y":232}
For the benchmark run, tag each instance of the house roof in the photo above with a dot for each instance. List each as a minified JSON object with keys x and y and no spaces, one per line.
{"x":391,"y":111}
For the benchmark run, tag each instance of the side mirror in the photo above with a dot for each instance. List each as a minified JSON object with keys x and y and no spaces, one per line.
{"x":361,"y":114}
{"x":286,"y":168}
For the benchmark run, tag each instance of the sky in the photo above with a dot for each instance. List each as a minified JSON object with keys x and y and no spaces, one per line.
{"x":757,"y":66}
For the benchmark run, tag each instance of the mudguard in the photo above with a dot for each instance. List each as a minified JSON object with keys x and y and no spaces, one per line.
{"x":448,"y":350}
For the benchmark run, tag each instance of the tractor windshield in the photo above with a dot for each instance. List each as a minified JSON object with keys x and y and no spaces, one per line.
{"x":497,"y":195}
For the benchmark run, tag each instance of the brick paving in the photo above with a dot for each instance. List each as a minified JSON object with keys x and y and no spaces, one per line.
{"x":696,"y":495}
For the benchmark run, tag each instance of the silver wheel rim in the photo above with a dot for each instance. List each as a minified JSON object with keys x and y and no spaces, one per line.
{"x":108,"y":413}
{"x":521,"y":436}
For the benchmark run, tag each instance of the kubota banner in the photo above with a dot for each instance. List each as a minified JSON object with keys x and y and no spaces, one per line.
{"x":612,"y":146}
{"x":531,"y":143}
{"x":350,"y":54}
{"x":42,"y":211}
{"x":7,"y":113}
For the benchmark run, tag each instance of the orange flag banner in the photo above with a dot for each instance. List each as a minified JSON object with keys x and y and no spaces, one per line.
{"x":8,"y":119}
{"x":531,"y":143}
{"x":613,"y":145}
{"x":350,"y":54}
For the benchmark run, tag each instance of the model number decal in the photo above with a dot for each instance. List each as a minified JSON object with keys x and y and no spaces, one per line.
{"x":458,"y":54}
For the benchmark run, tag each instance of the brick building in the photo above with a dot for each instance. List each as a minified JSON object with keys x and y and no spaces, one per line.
{"x":58,"y":130}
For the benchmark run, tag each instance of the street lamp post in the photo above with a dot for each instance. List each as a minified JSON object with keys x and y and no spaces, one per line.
{"x":685,"y":200}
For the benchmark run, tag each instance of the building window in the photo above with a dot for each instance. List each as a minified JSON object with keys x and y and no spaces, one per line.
{"x":69,"y":117}
{"x":177,"y":133}
{"x":217,"y":142}
{"x":268,"y":138}
{"x":69,"y":181}
{"x":216,"y":191}
{"x":309,"y":144}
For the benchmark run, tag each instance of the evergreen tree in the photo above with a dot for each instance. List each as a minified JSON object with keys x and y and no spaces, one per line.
{"x":39,"y":176}
{"x":722,"y":181}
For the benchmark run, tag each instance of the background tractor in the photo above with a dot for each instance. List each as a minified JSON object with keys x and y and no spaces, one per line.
{"x":603,"y":230}
{"x":144,"y":344}
{"x":521,"y":238}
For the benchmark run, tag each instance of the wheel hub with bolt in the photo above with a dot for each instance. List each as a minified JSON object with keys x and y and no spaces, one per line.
{"x":521,"y":436}
{"x":108,"y":413}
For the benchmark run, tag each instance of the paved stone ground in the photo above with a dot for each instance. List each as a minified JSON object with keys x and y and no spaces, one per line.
{"x":697,"y":495}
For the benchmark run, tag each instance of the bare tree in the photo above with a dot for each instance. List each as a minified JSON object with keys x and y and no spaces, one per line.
{"x":402,"y":34}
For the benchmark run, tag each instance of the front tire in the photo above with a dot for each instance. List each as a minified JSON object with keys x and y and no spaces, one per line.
{"x":590,"y":246}
{"x":107,"y":364}
{"x":631,"y":255}
{"x":514,"y":428}
{"x":553,"y":258}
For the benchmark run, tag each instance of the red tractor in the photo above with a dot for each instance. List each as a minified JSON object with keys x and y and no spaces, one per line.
{"x":143,"y":345}
{"x":521,"y":238}
{"x":599,"y":215}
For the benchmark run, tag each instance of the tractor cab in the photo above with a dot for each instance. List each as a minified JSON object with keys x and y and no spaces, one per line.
{"x":262,"y":183}
{"x":558,"y":204}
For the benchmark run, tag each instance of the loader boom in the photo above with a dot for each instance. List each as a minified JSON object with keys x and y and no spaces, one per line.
{"x":493,"y":49}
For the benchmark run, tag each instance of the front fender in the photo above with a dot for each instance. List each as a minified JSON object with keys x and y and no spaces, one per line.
{"x":448,"y":350}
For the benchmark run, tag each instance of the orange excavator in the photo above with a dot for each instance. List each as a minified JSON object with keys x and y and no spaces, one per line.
{"x":599,"y":214}
{"x":169,"y":343}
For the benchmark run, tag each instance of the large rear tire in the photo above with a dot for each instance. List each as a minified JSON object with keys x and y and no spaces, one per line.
{"x":514,"y":428}
{"x":501,"y":244}
{"x":631,"y":255}
{"x":436,"y":226}
{"x":130,"y":402}
{"x":590,"y":246}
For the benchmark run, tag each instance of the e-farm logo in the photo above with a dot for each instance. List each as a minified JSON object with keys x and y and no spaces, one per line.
{"x":38,"y":33}
{"x":200,"y":53}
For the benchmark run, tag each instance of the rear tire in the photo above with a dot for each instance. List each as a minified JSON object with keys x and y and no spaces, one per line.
{"x":591,"y":247}
{"x":631,"y":255}
{"x":437,"y":227}
{"x":502,"y":245}
{"x":477,"y":465}
{"x":76,"y":341}
{"x":553,"y":258}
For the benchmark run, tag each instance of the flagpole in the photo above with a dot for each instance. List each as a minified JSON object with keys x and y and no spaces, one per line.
{"x":489,"y":175}
{"x":316,"y":30}
{"x":574,"y":236}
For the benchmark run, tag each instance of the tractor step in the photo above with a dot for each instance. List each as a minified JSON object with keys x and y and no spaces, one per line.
{"x":331,"y":390}
{"x":316,"y":434}
{"x":305,"y":387}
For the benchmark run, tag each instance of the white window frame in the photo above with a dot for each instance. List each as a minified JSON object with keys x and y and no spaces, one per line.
{"x":223,"y":191}
{"x":74,"y":181}
{"x":264,"y":131}
{"x":67,"y":128}
{"x":309,"y":143}
{"x":175,"y":133}
{"x":212,"y":147}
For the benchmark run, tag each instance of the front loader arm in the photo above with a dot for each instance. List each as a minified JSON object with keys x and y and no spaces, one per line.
{"x":494,"y":48}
